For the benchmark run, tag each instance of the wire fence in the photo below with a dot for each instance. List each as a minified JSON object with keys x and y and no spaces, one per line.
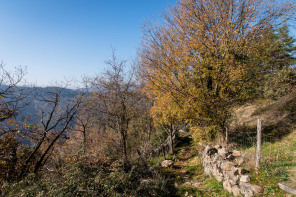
{"x":277,"y":160}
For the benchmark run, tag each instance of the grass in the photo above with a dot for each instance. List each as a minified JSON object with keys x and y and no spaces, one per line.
{"x":278,"y":163}
{"x":278,"y":158}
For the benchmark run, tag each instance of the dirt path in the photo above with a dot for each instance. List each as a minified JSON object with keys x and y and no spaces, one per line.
{"x":186,"y":174}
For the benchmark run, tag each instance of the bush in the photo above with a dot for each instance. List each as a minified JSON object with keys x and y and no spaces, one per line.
{"x":82,"y":179}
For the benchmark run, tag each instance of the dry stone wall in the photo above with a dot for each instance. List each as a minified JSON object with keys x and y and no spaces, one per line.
{"x":225,"y":167}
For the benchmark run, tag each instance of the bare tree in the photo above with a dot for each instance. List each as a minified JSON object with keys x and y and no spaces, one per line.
{"x":57,"y":116}
{"x":83,"y":123}
{"x":12,"y":101}
{"x":12,"y":95}
{"x":114,"y":99}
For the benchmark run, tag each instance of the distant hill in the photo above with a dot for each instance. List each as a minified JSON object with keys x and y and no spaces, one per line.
{"x":32,"y":109}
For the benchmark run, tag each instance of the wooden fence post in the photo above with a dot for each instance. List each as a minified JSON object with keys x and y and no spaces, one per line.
{"x":259,"y":136}
{"x":227,"y":137}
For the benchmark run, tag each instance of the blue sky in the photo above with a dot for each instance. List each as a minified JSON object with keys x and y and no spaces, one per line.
{"x":57,"y":39}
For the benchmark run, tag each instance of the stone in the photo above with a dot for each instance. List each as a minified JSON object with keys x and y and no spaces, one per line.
{"x":208,"y":147}
{"x":236,"y":153}
{"x":245,"y":178}
{"x":250,"y":190}
{"x":235,"y":170}
{"x":246,"y":189}
{"x":233,"y":179}
{"x":222,"y":151}
{"x":227,"y":186}
{"x":257,"y":189}
{"x":217,"y":174}
{"x":235,"y":190}
{"x":166,"y":163}
{"x":239,"y":161}
{"x":227,"y":165}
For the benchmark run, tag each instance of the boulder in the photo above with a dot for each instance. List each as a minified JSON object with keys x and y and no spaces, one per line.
{"x":166,"y":163}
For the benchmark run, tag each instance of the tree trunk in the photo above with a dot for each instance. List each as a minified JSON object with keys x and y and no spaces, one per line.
{"x":24,"y":168}
{"x":84,"y":141}
{"x":172,"y":141}
{"x":124,"y":149}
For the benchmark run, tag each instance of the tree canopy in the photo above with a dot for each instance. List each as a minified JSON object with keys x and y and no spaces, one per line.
{"x":209,"y":55}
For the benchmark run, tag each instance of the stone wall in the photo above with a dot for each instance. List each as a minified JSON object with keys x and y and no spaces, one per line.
{"x":225,"y":166}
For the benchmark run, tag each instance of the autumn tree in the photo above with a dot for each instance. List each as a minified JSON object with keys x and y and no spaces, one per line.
{"x":167,"y":116}
{"x":209,"y":54}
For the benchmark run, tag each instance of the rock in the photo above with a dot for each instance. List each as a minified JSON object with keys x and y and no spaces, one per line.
{"x":166,"y":163}
{"x":236,"y":153}
{"x":222,"y":151}
{"x":235,"y":190}
{"x":239,"y":161}
{"x":235,"y":170}
{"x":227,"y":165}
{"x":246,"y":189}
{"x":257,"y":189}
{"x":217,"y":174}
{"x":245,"y":178}
{"x":249,"y":189}
{"x":208,"y":147}
{"x":227,"y":186}
{"x":217,"y":147}
{"x":233,"y":179}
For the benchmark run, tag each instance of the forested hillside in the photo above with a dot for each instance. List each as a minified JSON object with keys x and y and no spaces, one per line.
{"x":209,"y":67}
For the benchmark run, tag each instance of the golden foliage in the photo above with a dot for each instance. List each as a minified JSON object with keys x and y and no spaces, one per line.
{"x":207,"y":57}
